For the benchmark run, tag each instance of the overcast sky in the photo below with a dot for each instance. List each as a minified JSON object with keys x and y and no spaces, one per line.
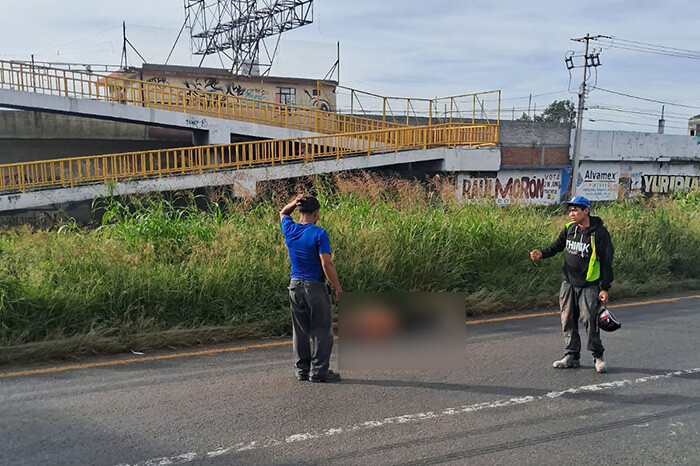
{"x":418,"y":48}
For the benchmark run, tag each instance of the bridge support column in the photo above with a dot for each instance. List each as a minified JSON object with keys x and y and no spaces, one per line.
{"x":213,"y":136}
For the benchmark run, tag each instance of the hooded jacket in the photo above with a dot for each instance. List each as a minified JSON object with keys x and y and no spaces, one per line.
{"x":587,"y":262}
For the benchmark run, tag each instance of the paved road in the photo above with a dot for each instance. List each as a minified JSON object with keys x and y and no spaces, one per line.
{"x":508,"y":406}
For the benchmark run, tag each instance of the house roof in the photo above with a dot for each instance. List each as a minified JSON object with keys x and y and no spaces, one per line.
{"x":217,"y":72}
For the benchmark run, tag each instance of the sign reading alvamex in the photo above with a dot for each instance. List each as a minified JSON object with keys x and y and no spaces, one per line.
{"x":592,"y":175}
{"x":598,"y":182}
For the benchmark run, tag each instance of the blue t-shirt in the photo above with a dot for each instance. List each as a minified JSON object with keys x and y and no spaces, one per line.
{"x":305,"y":242}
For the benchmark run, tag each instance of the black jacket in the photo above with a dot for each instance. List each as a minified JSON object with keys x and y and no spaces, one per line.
{"x":577,"y":243}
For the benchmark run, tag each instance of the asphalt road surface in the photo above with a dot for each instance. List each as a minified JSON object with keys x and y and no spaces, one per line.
{"x":230,"y":405}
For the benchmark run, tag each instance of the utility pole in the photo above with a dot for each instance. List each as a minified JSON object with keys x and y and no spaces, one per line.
{"x":662,"y":122}
{"x":589,"y":60}
{"x":124,"y":56}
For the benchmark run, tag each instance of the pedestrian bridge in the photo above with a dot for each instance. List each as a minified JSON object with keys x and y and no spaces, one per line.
{"x":246,"y":162}
{"x":212,"y":115}
{"x":299,"y":137}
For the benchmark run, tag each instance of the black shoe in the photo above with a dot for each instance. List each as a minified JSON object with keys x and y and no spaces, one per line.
{"x":328,"y":377}
{"x":302,"y":377}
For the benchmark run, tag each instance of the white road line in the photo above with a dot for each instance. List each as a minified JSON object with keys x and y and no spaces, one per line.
{"x":303,"y":437}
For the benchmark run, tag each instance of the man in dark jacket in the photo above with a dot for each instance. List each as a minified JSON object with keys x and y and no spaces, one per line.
{"x":587,"y":276}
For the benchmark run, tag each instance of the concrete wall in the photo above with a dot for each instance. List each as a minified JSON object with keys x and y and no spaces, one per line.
{"x":607,"y":181}
{"x":535,"y":167}
{"x":522,"y":186}
{"x":205,"y":130}
{"x":28,"y":136}
{"x":37,"y":125}
{"x":619,"y":164}
{"x":628,"y":145}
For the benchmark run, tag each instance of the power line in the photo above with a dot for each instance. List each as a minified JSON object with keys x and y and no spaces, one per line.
{"x":657,"y":52}
{"x":536,"y":95}
{"x":657,"y":46}
{"x":646,"y":47}
{"x":680,"y":114}
{"x":596,"y":120}
{"x":644,"y":98}
{"x":633,"y":112}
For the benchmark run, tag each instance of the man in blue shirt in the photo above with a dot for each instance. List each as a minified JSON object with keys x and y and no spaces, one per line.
{"x":310,"y":255}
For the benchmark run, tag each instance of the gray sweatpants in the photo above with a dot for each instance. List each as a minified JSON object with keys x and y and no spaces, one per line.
{"x":310,"y":303}
{"x":580,"y":303}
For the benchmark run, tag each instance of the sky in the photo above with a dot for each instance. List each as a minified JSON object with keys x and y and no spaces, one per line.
{"x":420,"y":49}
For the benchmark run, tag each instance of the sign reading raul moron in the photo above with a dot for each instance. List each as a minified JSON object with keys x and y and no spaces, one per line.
{"x":511,"y":186}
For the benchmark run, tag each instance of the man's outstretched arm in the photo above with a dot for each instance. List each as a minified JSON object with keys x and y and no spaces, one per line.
{"x":556,"y":247}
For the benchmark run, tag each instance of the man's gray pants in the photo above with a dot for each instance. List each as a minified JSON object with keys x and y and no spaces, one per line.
{"x":580,"y":303}
{"x":310,"y":303}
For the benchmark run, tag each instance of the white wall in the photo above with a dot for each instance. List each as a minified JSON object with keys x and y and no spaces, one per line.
{"x":627,"y":145}
{"x":618,"y":164}
{"x":607,"y":181}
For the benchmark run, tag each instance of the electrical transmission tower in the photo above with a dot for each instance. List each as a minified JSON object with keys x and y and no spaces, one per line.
{"x":237,"y":28}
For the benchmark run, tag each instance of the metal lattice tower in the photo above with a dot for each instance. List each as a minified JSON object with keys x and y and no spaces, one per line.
{"x":236,"y":28}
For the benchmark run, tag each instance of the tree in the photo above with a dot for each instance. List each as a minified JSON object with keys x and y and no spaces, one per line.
{"x":524,"y":117}
{"x":559,"y":111}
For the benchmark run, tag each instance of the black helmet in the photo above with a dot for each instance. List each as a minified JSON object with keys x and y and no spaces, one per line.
{"x":607,"y":321}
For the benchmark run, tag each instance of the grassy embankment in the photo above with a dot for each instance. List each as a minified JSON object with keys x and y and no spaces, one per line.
{"x":160,"y":275}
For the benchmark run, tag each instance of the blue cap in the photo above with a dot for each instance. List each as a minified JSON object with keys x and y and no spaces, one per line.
{"x":579,"y":201}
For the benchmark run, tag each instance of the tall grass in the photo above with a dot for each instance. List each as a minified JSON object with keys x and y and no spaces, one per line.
{"x":155,"y":265}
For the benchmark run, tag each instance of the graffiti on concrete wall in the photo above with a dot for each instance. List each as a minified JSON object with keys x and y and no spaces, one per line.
{"x":666,"y":184}
{"x":508,"y":186}
{"x":158,"y":80}
{"x":262,"y":89}
{"x":606,"y":181}
{"x":321,"y":104}
{"x":226,"y":88}
{"x":198,"y":123}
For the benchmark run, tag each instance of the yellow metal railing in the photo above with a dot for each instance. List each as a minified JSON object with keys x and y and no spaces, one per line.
{"x":70,"y":172}
{"x":83,"y":85}
{"x":474,"y":108}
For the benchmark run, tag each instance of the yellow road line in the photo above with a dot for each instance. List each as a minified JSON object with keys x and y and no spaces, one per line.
{"x":121,"y":362}
{"x":551,"y":313}
{"x":235,"y":349}
{"x":656,"y":301}
{"x":518,"y":317}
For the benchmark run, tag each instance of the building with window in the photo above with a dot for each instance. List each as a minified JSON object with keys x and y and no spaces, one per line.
{"x":694,"y":126}
{"x":290,"y":91}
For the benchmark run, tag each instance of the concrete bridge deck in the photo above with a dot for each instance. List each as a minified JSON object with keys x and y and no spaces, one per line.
{"x":244,"y":181}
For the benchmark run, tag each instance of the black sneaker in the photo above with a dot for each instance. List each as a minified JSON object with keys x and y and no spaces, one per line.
{"x":303,"y":376}
{"x":328,"y":377}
